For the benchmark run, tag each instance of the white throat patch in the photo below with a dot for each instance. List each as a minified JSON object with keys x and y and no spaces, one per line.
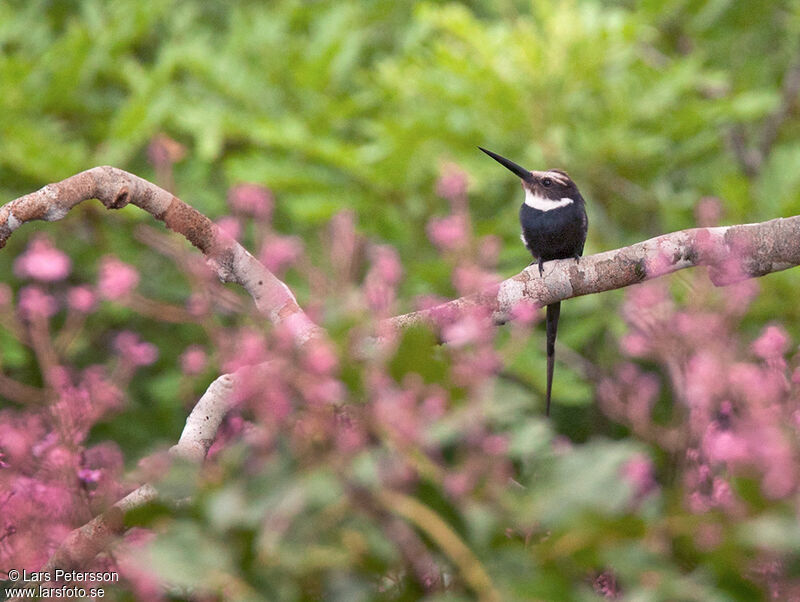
{"x":542,"y":204}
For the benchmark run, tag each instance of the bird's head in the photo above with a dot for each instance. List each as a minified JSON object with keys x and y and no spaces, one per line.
{"x":553,"y":184}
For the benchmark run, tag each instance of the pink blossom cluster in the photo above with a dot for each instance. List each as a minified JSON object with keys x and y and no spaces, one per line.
{"x":52,"y":478}
{"x":252,"y":200}
{"x":737,"y":404}
{"x":163,"y":151}
{"x":449,"y":233}
{"x":116,"y":279}
{"x":279,"y":253}
{"x":42,"y":261}
{"x":473,"y":259}
{"x":303,"y":400}
{"x":452,"y":183}
{"x":382,"y":279}
{"x":133,"y":350}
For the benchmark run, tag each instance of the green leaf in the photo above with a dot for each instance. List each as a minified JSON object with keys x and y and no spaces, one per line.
{"x":418,"y":353}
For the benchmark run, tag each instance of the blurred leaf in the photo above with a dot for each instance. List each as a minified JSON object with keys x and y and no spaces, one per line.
{"x":771,"y":532}
{"x":588,"y":479}
{"x":418,"y":353}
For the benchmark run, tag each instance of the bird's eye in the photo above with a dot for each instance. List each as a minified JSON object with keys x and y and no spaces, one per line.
{"x":546,"y":182}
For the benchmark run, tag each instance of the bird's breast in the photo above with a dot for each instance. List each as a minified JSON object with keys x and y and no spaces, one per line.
{"x":554,"y":233}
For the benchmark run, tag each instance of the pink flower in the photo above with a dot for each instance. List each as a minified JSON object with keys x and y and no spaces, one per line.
{"x":724,"y":446}
{"x":193,"y":360}
{"x":198,"y":304}
{"x":704,"y":379}
{"x":739,"y":296}
{"x":773,"y":342}
{"x":18,"y":434}
{"x":281,"y":252}
{"x":475,"y":367}
{"x":345,"y":241}
{"x":755,"y":383}
{"x":642,"y":397}
{"x":448,"y":233}
{"x":433,"y":406}
{"x":698,"y":503}
{"x":721,"y":493}
{"x":163,"y":151}
{"x":489,"y":248}
{"x":708,"y":211}
{"x":469,"y":278}
{"x":320,"y":358}
{"x":659,"y":264}
{"x":230,"y":226}
{"x":117,"y":279}
{"x":561,"y":445}
{"x":525,"y":312}
{"x":396,"y":412}
{"x":42,"y":261}
{"x":248,"y":348}
{"x":495,"y":445}
{"x":779,"y":480}
{"x":324,"y":391}
{"x":708,"y":536}
{"x":638,"y":472}
{"x":386,"y":264}
{"x":378,"y":294}
{"x":136,"y":351}
{"x":349,"y":438}
{"x":646,"y":296}
{"x":458,"y":484}
{"x":89,"y":476}
{"x":605,"y":584}
{"x":275,"y":402}
{"x":635,"y":344}
{"x":382,"y":278}
{"x":81,"y":298}
{"x":731,"y":269}
{"x":252,"y":199}
{"x":423,"y":302}
{"x":469,"y":329}
{"x":452,"y":183}
{"x":102,"y":391}
{"x":35,"y":303}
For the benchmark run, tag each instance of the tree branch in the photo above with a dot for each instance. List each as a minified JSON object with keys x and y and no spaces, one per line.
{"x":116,"y":188}
{"x":732,"y":253}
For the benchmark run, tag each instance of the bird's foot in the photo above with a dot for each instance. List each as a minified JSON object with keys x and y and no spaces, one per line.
{"x":541,"y":266}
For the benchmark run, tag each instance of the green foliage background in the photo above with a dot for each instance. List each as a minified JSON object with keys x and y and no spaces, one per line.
{"x":355,"y":105}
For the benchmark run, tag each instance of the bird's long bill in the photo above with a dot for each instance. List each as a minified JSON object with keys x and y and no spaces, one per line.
{"x":509,"y":164}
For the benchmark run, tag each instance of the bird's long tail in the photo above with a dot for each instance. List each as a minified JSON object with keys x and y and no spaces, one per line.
{"x":551,"y":321}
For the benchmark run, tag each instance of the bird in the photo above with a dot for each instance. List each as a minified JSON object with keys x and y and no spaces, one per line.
{"x":554,"y":226}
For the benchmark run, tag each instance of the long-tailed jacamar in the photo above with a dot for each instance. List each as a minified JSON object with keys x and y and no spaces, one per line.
{"x":554,"y":225}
